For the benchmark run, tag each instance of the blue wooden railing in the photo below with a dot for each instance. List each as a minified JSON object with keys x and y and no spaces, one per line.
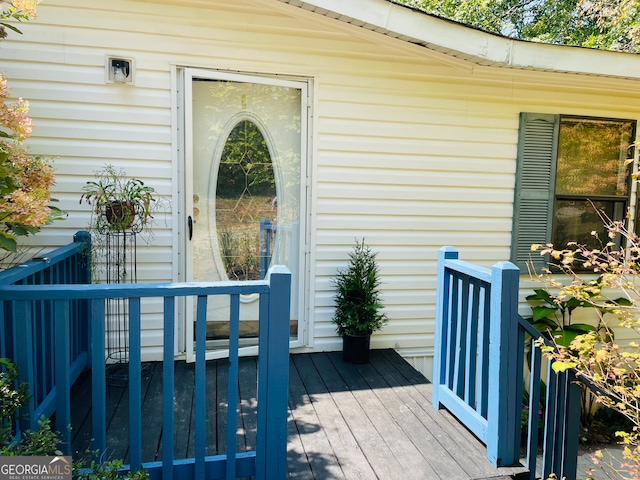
{"x":268,"y":461}
{"x":32,"y":343}
{"x":479,"y":366}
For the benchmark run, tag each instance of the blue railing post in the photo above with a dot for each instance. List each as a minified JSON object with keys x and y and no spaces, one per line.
{"x":265,"y":246}
{"x":442,"y":307}
{"x":98,"y":376}
{"x":273,"y":379}
{"x":24,"y":359}
{"x":503,"y":448}
{"x":84,"y":238}
{"x":572,"y":427}
{"x":62,"y":373}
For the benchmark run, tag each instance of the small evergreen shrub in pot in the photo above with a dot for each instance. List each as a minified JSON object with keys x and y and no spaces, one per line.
{"x":358,"y":306}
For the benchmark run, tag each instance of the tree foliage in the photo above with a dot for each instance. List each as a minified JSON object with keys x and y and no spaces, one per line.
{"x":588,"y":23}
{"x":612,"y":367}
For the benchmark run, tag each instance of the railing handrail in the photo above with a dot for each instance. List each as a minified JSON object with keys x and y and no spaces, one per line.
{"x":131,"y":290}
{"x":467,"y":268}
{"x":81,"y":243}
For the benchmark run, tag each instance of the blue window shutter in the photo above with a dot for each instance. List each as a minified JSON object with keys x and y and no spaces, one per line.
{"x":535,"y":181}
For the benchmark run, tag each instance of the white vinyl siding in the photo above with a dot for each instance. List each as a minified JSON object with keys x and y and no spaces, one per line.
{"x":411,"y":149}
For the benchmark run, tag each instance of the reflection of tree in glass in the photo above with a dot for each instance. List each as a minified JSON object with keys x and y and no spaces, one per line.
{"x":591,"y":157}
{"x":245,"y":166}
{"x":592,"y":178}
{"x":245,"y":193}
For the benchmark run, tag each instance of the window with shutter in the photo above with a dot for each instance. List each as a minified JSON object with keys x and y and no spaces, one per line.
{"x":570,"y":171}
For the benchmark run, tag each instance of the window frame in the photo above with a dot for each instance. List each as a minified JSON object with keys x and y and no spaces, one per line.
{"x":535,"y":188}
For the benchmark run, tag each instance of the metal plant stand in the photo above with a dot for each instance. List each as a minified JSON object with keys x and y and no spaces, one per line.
{"x":120,"y":267}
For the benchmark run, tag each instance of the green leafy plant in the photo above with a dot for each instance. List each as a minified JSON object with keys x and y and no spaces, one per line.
{"x":119,"y":202}
{"x":614,"y":370}
{"x":108,"y":470}
{"x":357,"y":300}
{"x":14,"y":395}
{"x":43,"y":441}
{"x":553,"y":317}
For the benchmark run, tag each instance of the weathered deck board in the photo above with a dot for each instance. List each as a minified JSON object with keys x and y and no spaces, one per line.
{"x":346,"y":421}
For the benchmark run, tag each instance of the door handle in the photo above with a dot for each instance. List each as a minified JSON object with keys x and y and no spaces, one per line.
{"x":190,"y":226}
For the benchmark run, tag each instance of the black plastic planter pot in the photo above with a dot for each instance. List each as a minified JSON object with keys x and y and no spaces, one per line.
{"x":355,"y":348}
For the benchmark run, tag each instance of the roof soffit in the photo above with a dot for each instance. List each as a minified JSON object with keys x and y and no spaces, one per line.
{"x":481,"y":48}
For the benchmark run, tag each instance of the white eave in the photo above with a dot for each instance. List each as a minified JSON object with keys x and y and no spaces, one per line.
{"x":469,"y":44}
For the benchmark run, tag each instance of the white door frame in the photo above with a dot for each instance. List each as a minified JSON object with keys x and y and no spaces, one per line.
{"x":185,"y":78}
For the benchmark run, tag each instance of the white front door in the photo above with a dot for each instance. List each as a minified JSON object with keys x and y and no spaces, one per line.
{"x":245,"y":196}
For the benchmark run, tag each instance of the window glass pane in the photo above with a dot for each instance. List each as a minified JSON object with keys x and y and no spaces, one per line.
{"x":591,"y":157}
{"x":245,"y":198}
{"x":574,"y":220}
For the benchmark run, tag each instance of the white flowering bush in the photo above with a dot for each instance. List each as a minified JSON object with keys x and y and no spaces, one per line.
{"x":25,"y":180}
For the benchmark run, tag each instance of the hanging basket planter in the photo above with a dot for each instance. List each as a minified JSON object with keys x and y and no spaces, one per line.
{"x":119,"y":203}
{"x":120,"y":215}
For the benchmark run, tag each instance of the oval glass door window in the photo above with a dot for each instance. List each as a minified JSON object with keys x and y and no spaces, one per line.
{"x":246,"y":203}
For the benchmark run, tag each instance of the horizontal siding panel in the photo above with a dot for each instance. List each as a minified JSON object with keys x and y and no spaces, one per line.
{"x":408,"y":209}
{"x":408,"y":178}
{"x":101,"y":151}
{"x":100,"y":115}
{"x":118,"y":132}
{"x":453,"y":194}
{"x":443,"y":224}
{"x":405,"y":131}
{"x":396,"y":146}
{"x":449,"y":111}
{"x":461,"y":165}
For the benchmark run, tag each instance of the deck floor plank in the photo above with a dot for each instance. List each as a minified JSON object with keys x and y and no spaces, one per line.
{"x":378,"y":448}
{"x":360,"y":422}
{"x":152,"y":414}
{"x":80,"y":416}
{"x":349,"y":455}
{"x":316,"y":416}
{"x":247,"y":383}
{"x":468,"y":450}
{"x":213,"y":406}
{"x":417,"y":395}
{"x":183,"y":408}
{"x":413,"y":421}
{"x":459,"y":442}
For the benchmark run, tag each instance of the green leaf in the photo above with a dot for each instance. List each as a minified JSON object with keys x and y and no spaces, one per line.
{"x":574,"y":303}
{"x":569,"y":333}
{"x":544,"y":324}
{"x":623,"y":302}
{"x":8,"y":242}
{"x":580,"y":327}
{"x":542,"y":295}
{"x":542,"y":311}
{"x":10,"y":27}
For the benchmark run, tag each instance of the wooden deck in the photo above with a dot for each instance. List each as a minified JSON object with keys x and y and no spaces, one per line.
{"x":346,"y":421}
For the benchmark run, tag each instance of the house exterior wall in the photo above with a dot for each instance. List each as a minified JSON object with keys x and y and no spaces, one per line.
{"x":410,"y":149}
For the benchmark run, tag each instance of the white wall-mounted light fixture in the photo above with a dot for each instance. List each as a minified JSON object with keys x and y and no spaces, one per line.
{"x":119,"y":70}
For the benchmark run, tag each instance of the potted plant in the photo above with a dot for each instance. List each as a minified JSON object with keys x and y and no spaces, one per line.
{"x":119,"y":202}
{"x":358,"y":307}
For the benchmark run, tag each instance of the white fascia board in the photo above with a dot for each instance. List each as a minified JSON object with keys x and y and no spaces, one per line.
{"x":474,"y":45}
